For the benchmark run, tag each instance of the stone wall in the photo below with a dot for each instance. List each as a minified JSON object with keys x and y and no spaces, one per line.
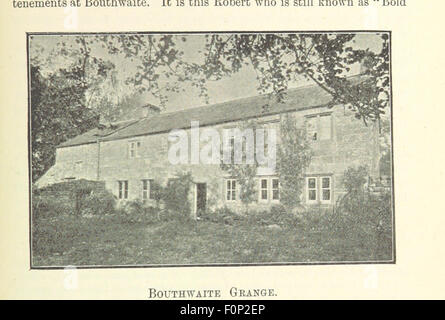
{"x":76,"y":162}
{"x":352,"y":144}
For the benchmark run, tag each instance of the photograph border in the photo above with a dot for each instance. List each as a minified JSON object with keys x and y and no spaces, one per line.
{"x":393,"y":261}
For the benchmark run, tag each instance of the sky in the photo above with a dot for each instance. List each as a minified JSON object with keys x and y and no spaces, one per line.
{"x":239,"y":85}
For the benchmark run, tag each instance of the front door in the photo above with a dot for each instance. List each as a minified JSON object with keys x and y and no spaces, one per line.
{"x":201,"y":198}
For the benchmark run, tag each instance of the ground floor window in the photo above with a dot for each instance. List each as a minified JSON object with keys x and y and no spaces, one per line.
{"x":123,"y":189}
{"x":326,"y":189}
{"x":311,"y":189}
{"x":318,"y":189}
{"x":275,"y":189}
{"x":269,"y":189}
{"x":231,"y":190}
{"x":147,"y":189}
{"x":264,"y":190}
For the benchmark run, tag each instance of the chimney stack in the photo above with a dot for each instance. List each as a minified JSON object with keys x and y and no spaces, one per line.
{"x":150,"y":110}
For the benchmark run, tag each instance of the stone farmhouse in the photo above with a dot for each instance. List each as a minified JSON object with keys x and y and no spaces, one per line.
{"x":130,"y":155}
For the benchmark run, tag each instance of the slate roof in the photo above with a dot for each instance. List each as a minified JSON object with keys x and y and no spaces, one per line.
{"x":257,"y":106}
{"x":91,"y":136}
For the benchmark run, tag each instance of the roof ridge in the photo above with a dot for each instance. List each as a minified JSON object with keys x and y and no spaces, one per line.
{"x":130,"y":123}
{"x":299,"y":98}
{"x":234,"y":100}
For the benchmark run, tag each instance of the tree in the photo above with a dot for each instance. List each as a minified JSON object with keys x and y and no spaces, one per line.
{"x":58,"y":114}
{"x":293,"y":157}
{"x":322,"y":58}
{"x":385,"y":148}
{"x":325,"y":59}
{"x":245,"y":171}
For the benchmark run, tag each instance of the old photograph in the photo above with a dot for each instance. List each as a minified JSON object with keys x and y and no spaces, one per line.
{"x":206,"y":148}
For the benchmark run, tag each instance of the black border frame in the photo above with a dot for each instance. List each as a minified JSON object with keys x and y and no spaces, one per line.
{"x":393,"y":261}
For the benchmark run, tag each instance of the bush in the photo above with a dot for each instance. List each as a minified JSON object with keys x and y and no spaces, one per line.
{"x":363,"y":217}
{"x":135,"y":212}
{"x":81,"y":197}
{"x":278,"y":214}
{"x":99,"y":202}
{"x":222,"y":215}
{"x":176,"y":194}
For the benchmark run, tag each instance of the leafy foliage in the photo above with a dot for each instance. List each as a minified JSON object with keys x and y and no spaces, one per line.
{"x":157,"y":192}
{"x":134,"y":212}
{"x":385,"y":148}
{"x":293,"y":157}
{"x":78,"y":197}
{"x":361,"y":215}
{"x":322,"y":58}
{"x":222,"y":215}
{"x":58,"y":113}
{"x":354,"y":179}
{"x":176,"y":194}
{"x":244,"y":172}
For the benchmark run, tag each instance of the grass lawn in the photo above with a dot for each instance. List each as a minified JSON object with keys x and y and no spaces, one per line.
{"x":76,"y":240}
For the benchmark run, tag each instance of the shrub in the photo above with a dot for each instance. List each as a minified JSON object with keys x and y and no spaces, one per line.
{"x":221,"y":215}
{"x":157,"y":192}
{"x":277,"y":214}
{"x":176,"y":194}
{"x":294,"y":155}
{"x":81,"y":197}
{"x":99,"y":202}
{"x":363,"y":217}
{"x":354,"y":180}
{"x":135,"y":212}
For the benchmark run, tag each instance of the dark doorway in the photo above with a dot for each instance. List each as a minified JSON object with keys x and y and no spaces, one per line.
{"x":201,"y":198}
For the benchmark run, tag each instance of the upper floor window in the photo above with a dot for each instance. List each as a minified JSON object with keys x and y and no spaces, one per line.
{"x":123,"y":189}
{"x":133,"y":149}
{"x":319,"y":127}
{"x":232,"y":149}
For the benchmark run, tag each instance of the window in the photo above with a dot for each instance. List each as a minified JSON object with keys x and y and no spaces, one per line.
{"x":269,"y":189}
{"x":319,"y":189}
{"x":232,"y":149}
{"x":231,"y":190}
{"x":123,"y":189}
{"x":263,"y":189}
{"x":325,"y":189}
{"x":311,"y":189}
{"x":147,"y":190}
{"x":275,"y":189}
{"x":319,"y":127}
{"x":133,"y":149}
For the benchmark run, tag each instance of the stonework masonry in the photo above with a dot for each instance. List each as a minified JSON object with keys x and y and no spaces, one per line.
{"x":352,"y":143}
